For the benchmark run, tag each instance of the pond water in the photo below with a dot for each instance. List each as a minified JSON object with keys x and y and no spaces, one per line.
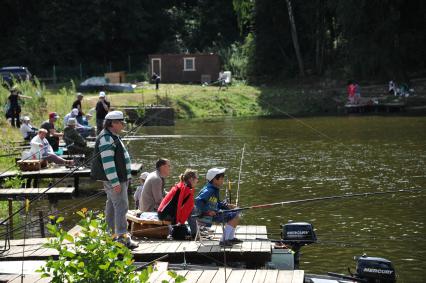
{"x":289,"y":159}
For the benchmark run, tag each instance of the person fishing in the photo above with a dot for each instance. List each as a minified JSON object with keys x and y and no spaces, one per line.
{"x":112,"y":167}
{"x":153,"y":189}
{"x":209,"y":206}
{"x":178,"y":203}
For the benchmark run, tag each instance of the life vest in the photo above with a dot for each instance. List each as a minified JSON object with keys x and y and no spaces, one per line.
{"x":177,"y":205}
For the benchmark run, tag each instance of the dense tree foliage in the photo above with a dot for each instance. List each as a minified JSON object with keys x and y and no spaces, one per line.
{"x":256,"y":38}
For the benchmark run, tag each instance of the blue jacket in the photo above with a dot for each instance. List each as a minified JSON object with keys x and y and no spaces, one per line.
{"x":208,"y":200}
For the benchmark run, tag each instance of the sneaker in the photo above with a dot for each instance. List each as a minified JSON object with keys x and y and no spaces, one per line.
{"x":235,"y":241}
{"x":131,"y":244}
{"x":127,"y":241}
{"x":225,"y":244}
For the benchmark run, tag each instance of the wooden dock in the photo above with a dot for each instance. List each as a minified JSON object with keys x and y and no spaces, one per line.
{"x":253,"y":253}
{"x":220,"y":275}
{"x":59,"y":172}
{"x":371,"y":107}
{"x":53,"y":194}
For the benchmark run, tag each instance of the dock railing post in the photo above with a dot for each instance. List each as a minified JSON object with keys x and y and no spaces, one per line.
{"x":41,"y":222}
{"x":10,"y":202}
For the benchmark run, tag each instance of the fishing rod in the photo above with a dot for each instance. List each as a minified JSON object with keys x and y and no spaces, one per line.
{"x":282,"y":203}
{"x":239,"y":176}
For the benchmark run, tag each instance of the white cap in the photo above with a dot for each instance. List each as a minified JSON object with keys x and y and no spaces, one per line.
{"x":71,"y":121}
{"x":102,"y":94}
{"x":79,"y":94}
{"x":144,"y":175}
{"x":213,"y":172}
{"x":26,"y":118}
{"x":74,"y":112}
{"x":114,"y":115}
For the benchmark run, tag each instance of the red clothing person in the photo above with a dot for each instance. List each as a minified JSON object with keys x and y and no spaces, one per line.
{"x":177,"y":205}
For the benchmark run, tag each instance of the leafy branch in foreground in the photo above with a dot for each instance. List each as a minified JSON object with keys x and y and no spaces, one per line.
{"x":92,"y":255}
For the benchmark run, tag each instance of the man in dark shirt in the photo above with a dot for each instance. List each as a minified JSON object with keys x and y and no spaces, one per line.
{"x":77,"y":104}
{"x":75,"y":142}
{"x":102,"y":108}
{"x":52,"y":135}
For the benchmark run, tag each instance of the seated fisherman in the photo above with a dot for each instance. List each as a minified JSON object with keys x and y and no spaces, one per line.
{"x":178,"y":203}
{"x":208,"y":205}
{"x":76,"y":144}
{"x":153,"y":189}
{"x":27,"y":130}
{"x":52,"y":134}
{"x":85,"y":131}
{"x":41,"y":149}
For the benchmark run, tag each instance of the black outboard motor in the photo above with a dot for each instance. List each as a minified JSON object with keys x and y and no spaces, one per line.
{"x":297,"y":235}
{"x":375,"y":270}
{"x":370,"y":270}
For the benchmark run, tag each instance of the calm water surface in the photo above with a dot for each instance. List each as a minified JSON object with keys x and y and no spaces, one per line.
{"x":288,"y":159}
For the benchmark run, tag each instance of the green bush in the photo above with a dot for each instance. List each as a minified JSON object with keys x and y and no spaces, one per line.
{"x":91,"y":256}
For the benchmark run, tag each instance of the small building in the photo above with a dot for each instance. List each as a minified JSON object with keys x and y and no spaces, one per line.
{"x":185,"y":68}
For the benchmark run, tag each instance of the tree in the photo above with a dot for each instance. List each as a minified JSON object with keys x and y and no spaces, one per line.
{"x":295,"y":39}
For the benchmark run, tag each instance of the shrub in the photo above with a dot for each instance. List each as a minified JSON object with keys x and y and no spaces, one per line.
{"x":91,"y":256}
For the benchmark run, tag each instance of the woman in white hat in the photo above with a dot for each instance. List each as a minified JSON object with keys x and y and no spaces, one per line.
{"x":27,"y":130}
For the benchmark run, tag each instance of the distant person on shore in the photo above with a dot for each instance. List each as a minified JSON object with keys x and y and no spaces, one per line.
{"x":139,"y":189}
{"x":357,"y":90}
{"x":52,"y":135}
{"x":102,"y":108}
{"x":76,"y":144}
{"x":77,"y":104}
{"x":392,"y":88}
{"x":13,"y":107}
{"x":41,"y":149}
{"x":27,"y":130}
{"x":153,"y":189}
{"x":112,"y":166}
{"x":351,"y":92}
{"x":156,"y":79}
{"x":208,"y":205}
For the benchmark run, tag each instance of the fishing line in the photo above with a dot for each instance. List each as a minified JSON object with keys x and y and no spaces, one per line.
{"x":239,"y":176}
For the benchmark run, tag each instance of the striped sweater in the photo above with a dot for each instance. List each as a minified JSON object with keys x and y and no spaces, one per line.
{"x":107,"y":149}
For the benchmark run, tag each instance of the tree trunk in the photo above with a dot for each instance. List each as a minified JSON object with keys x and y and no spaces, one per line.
{"x":295,"y":40}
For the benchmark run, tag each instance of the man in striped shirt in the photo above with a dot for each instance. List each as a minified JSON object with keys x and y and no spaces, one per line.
{"x":112,"y":166}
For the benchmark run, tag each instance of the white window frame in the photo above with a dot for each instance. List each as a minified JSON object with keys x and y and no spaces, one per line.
{"x":152,"y":65}
{"x":185,"y":68}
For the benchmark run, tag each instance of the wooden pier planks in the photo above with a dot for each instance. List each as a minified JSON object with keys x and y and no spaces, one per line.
{"x":62,"y":192}
{"x":198,"y":276}
{"x":251,"y":251}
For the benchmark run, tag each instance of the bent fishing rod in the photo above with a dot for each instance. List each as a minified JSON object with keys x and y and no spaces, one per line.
{"x":71,"y":173}
{"x":282,"y":203}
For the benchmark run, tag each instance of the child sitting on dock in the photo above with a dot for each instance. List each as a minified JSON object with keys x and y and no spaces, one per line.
{"x":139,"y":188}
{"x":210,"y":208}
{"x":178,"y":203}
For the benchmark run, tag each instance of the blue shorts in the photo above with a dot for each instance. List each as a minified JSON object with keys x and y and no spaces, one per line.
{"x":225,"y":217}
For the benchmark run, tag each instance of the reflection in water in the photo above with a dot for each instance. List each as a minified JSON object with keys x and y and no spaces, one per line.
{"x":285,"y":160}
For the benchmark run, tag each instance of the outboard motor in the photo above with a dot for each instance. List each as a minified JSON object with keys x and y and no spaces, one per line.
{"x":297,"y":235}
{"x":370,"y":270}
{"x":375,"y":270}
